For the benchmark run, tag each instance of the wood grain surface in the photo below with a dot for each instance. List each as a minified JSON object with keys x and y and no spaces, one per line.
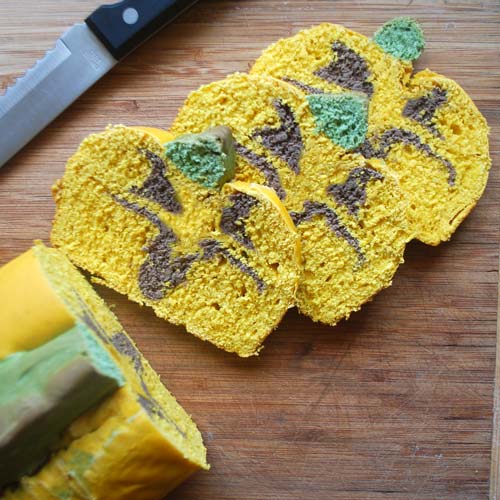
{"x":397,"y":402}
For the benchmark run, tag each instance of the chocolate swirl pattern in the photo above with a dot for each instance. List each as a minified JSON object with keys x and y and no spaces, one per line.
{"x":198,"y":255}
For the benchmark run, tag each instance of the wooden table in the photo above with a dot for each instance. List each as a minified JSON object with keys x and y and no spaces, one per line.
{"x":397,"y":402}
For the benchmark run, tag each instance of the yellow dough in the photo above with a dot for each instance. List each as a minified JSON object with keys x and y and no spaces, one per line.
{"x":137,"y":443}
{"x":223,"y":262}
{"x":443,"y":161}
{"x":307,"y":61}
{"x":424,"y":126}
{"x":351,"y":248}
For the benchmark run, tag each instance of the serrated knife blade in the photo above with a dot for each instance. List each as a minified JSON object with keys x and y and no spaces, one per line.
{"x":76,"y":62}
{"x":80,"y":57}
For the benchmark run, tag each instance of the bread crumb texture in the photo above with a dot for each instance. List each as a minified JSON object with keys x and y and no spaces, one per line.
{"x":350,"y":212}
{"x":221,"y":262}
{"x":138,"y":442}
{"x":425,"y":127}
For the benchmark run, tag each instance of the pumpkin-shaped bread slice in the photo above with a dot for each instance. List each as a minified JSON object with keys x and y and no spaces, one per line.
{"x":349,"y":211}
{"x":221,"y":259}
{"x":425,"y":127}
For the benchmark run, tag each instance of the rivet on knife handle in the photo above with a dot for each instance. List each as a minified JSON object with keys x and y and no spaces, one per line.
{"x":122,"y":26}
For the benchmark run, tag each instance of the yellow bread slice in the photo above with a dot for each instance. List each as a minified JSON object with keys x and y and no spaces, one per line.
{"x":137,"y":443}
{"x":351,"y":248}
{"x":440,"y":152}
{"x":426,"y":127}
{"x":304,"y":61}
{"x":222,"y":262}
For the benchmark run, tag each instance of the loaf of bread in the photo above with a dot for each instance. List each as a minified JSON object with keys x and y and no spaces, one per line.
{"x":349,"y":211}
{"x":363,"y":155}
{"x":93,"y":420}
{"x":162,"y":226}
{"x":425,"y":127}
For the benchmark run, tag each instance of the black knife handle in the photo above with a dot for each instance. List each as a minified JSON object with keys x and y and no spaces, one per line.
{"x":124,"y":25}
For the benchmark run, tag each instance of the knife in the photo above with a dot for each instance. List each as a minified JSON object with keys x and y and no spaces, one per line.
{"x":83,"y":54}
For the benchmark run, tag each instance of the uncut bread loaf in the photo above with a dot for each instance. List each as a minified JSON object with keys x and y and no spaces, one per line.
{"x":93,"y":420}
{"x":220,"y":258}
{"x":349,"y":211}
{"x":424,"y":126}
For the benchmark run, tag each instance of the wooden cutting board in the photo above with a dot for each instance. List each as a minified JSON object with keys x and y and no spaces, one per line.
{"x":397,"y":402}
